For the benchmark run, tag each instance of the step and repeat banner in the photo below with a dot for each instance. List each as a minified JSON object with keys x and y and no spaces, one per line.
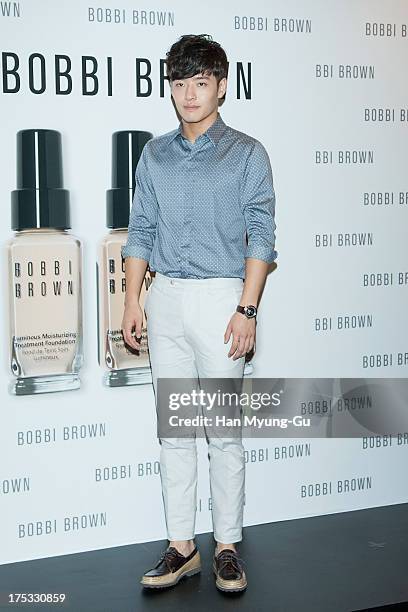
{"x":83,"y":87}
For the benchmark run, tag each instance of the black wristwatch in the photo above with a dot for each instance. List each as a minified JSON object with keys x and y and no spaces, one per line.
{"x":249,"y":311}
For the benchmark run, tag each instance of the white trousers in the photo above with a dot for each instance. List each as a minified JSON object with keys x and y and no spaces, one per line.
{"x":186,"y":322}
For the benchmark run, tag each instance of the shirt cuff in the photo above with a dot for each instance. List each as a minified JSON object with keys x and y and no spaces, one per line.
{"x":257,"y":251}
{"x":140,"y":251}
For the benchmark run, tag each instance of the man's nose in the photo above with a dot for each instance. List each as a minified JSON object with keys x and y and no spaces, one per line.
{"x":190,"y":92}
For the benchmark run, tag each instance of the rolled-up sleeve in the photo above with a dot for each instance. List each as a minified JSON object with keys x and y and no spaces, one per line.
{"x":258,"y":200}
{"x":143,"y":215}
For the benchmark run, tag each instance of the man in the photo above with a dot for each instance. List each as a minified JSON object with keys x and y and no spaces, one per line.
{"x":203,"y":218}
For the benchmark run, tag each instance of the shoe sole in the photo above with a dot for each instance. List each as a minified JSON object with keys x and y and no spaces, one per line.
{"x":230,"y":586}
{"x":190,"y":569}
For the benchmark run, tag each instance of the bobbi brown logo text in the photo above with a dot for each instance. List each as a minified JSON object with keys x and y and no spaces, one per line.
{"x":42,"y":278}
{"x":89,"y":75}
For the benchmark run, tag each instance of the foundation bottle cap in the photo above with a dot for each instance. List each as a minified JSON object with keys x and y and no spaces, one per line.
{"x":127,"y":146}
{"x":39,"y":200}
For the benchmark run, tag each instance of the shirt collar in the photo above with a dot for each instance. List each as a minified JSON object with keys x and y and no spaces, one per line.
{"x":214,"y":132}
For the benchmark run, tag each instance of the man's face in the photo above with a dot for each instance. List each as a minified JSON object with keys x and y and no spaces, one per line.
{"x":197,"y":97}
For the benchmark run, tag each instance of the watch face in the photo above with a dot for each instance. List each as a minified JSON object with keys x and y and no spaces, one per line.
{"x":250,"y":311}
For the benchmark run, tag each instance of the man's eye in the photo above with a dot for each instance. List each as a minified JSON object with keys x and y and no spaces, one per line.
{"x":202,"y":83}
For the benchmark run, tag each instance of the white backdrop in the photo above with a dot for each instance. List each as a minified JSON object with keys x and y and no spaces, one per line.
{"x":51,"y":500}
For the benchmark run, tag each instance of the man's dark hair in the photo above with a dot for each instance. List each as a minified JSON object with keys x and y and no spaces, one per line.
{"x":196,"y":54}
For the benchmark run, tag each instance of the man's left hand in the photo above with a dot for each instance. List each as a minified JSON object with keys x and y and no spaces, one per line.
{"x":243,"y":332}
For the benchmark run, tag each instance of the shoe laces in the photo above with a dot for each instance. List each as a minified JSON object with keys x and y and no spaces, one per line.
{"x":226,"y":556}
{"x":167,"y":555}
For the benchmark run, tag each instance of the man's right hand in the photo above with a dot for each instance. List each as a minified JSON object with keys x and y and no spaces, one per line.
{"x":132,"y":318}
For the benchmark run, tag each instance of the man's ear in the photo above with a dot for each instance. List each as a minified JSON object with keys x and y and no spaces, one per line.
{"x":222,"y":87}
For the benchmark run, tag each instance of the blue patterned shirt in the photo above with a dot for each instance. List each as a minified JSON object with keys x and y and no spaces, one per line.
{"x":200,"y":209}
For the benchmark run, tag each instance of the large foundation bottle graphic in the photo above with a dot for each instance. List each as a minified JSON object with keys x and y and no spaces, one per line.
{"x":45,"y":262}
{"x":123,"y":365}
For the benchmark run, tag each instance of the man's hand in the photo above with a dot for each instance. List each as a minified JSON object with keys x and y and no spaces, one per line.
{"x":243,"y":332}
{"x":133,"y":317}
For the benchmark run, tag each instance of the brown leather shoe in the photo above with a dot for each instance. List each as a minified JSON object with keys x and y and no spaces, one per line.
{"x":229,"y":572}
{"x":172,"y":566}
